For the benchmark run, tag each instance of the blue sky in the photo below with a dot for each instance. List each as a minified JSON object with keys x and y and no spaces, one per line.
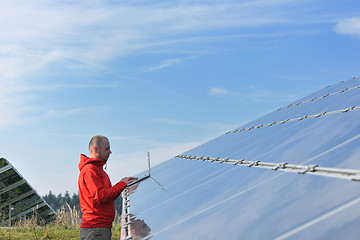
{"x":158,"y":76}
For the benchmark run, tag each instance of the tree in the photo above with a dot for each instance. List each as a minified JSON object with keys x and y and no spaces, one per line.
{"x":56,"y":202}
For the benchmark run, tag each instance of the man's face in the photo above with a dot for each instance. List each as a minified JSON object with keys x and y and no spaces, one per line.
{"x":104,"y":151}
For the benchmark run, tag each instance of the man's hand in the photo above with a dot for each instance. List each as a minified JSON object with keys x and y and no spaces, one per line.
{"x":128,"y":180}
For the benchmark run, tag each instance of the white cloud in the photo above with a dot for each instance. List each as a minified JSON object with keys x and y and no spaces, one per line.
{"x":12,"y":102}
{"x":254,"y":94}
{"x":40,"y":36}
{"x":350,"y":26}
{"x":218,"y":91}
{"x":53,"y":113}
{"x":165,"y":64}
{"x":169,"y":62}
{"x":91,"y":33}
{"x":177,"y":94}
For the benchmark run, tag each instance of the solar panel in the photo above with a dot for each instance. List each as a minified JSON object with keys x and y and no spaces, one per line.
{"x":18,"y":199}
{"x":292,"y":174}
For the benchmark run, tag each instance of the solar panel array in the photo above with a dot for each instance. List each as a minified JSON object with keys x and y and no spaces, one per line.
{"x":18,"y":199}
{"x":292,"y":174}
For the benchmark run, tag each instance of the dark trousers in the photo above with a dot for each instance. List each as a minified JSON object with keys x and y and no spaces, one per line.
{"x":95,"y":233}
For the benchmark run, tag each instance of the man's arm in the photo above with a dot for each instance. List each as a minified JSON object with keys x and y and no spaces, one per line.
{"x":99,"y":191}
{"x":128,"y":180}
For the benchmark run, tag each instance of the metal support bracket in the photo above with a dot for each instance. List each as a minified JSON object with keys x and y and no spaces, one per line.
{"x":310,"y":168}
{"x":253,"y":164}
{"x":280,"y":165}
{"x":356,"y":177}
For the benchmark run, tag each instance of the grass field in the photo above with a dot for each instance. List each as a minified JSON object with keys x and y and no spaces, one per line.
{"x":65,"y":227}
{"x":48,"y":232}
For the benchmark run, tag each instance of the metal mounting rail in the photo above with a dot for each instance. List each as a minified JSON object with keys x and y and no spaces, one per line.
{"x":310,"y":169}
{"x":126,"y":214}
{"x":324,"y":96}
{"x":127,"y":217}
{"x":297,"y":119}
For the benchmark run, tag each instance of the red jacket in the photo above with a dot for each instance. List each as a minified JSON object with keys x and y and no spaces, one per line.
{"x":96,"y":194}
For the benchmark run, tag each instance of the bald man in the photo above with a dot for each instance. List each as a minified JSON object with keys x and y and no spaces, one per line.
{"x":96,"y":193}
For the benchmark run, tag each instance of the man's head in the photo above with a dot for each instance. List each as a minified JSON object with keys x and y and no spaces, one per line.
{"x":99,"y":147}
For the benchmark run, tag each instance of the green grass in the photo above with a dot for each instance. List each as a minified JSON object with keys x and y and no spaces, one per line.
{"x":60,"y":232}
{"x":40,"y":233}
{"x":65,"y":227}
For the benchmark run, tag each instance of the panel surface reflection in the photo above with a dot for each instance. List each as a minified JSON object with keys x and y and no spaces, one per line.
{"x":211,"y":200}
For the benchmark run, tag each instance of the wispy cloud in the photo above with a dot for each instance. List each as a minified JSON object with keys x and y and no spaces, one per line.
{"x":218,"y":91}
{"x":12,"y":103}
{"x":90,"y":33}
{"x":177,"y":94}
{"x":38,"y":114}
{"x":40,"y":36}
{"x":349,"y":26}
{"x":47,"y":87}
{"x":254,"y":93}
{"x":165,"y":64}
{"x":169,"y":62}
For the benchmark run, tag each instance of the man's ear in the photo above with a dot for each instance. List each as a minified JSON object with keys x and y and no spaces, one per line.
{"x":95,"y":149}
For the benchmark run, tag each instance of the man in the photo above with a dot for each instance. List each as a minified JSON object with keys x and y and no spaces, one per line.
{"x":96,"y":193}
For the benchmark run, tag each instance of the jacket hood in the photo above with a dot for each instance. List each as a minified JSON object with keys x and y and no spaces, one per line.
{"x":86,"y":160}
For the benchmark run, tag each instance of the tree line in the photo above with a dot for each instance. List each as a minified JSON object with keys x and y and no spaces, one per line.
{"x":57,"y":201}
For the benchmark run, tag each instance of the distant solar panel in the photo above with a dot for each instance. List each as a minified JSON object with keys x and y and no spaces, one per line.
{"x":292,"y":174}
{"x":18,"y":199}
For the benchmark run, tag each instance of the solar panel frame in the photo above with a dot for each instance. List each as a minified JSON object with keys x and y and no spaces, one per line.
{"x":18,"y":199}
{"x":207,"y":199}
